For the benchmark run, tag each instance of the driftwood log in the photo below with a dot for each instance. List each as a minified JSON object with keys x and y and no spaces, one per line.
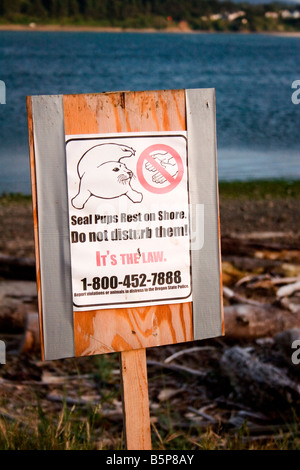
{"x":258,"y":383}
{"x":247,"y":247}
{"x":17,"y":299}
{"x":249,"y":322}
{"x":17,"y":268}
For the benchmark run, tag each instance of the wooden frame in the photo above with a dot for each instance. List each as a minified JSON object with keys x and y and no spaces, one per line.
{"x":126,"y":330}
{"x":111,"y":330}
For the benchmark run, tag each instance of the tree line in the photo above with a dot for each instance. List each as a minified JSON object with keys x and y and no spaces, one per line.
{"x":136,"y":13}
{"x":111,"y":9}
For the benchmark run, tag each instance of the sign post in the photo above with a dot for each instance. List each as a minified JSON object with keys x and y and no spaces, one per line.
{"x":125,"y":200}
{"x":135,"y":400}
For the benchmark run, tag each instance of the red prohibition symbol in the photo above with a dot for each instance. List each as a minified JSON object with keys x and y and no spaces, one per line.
{"x":146,"y":157}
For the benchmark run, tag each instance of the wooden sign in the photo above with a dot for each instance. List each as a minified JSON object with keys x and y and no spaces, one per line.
{"x":125,"y":197}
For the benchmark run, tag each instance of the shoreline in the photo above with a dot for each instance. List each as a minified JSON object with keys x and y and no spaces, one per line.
{"x":114,"y":29}
{"x":250,"y":189}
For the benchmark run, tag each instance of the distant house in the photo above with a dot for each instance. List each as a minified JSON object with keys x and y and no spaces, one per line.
{"x":215,"y":17}
{"x":272,"y":14}
{"x":226,"y":16}
{"x":235,"y":15}
{"x":287,"y":14}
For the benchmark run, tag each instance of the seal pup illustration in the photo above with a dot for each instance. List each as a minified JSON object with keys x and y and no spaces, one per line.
{"x":102,"y":174}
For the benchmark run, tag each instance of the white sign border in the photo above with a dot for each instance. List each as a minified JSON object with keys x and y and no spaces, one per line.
{"x":139,"y":303}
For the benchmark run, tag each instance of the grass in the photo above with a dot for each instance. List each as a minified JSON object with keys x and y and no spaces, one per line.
{"x":18,"y":198}
{"x":72,"y":431}
{"x":264,"y":189}
{"x":194,"y":438}
{"x":260,"y":189}
{"x":68,"y":432}
{"x":42,"y":425}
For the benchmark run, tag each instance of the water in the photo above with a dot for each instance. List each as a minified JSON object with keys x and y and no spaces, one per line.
{"x":257,"y":123}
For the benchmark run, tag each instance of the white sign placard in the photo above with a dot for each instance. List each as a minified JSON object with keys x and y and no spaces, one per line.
{"x":128,"y":219}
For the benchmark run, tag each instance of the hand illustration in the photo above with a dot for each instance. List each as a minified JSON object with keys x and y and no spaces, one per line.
{"x":166,"y":161}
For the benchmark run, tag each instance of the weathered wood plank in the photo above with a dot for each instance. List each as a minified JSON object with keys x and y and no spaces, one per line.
{"x":104,"y":331}
{"x":53,"y":234}
{"x":35,"y":216}
{"x":125,"y":112}
{"x":206,"y":259}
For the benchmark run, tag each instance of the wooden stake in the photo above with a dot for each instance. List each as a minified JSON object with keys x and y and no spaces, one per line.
{"x":135,"y":400}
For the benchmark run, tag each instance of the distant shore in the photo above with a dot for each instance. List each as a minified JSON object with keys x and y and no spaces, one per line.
{"x":112,"y":29}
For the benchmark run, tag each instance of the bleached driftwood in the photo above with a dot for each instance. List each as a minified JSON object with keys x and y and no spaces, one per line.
{"x":286,"y":291}
{"x":188,"y":351}
{"x":177,"y":368}
{"x":234,"y":297}
{"x":255,"y":279}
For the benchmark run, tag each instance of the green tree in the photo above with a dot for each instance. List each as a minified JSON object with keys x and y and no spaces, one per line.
{"x":37,"y":9}
{"x":73,"y":8}
{"x":11,"y":8}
